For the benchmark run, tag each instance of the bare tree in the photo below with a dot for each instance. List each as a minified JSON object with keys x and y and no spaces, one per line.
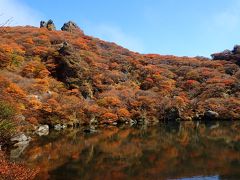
{"x":6,"y":23}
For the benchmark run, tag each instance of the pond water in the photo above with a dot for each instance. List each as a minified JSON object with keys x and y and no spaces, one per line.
{"x":173,"y":150}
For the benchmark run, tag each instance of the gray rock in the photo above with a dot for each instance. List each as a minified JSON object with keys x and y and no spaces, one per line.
{"x":22,"y":142}
{"x":70,"y":26}
{"x":58,"y":127}
{"x":43,"y":130}
{"x":132,"y":122}
{"x":20,"y":147}
{"x":49,"y":25}
{"x":211,"y":115}
{"x":20,"y":138}
{"x":43,"y":24}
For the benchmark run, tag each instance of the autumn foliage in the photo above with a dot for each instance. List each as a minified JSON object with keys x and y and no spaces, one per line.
{"x":70,"y":78}
{"x":13,"y":171}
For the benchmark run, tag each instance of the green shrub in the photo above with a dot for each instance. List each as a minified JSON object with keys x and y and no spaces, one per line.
{"x":54,"y":119}
{"x":7,"y":113}
{"x":17,"y":60}
{"x":6,"y":128}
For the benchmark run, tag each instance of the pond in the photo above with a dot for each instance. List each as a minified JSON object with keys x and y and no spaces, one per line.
{"x":186,"y":150}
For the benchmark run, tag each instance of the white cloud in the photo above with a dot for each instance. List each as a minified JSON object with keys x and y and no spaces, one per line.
{"x":20,"y":13}
{"x":118,"y":36}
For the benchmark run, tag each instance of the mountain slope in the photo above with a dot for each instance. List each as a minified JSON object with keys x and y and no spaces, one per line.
{"x":53,"y":77}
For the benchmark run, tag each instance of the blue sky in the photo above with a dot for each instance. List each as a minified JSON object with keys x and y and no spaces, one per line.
{"x":186,"y":27}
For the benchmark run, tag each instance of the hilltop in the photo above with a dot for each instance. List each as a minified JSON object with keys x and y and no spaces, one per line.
{"x":66,"y":77}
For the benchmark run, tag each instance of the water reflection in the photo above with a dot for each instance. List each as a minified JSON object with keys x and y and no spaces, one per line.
{"x":167,"y":151}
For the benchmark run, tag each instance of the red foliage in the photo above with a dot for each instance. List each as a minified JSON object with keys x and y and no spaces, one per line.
{"x":12,"y":171}
{"x":92,"y":79}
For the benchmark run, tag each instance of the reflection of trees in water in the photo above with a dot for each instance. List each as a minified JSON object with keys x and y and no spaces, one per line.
{"x":164,"y":151}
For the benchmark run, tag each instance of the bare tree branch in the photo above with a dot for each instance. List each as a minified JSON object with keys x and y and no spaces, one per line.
{"x":6,"y":23}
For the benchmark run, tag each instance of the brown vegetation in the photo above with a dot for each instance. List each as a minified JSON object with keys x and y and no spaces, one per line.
{"x":67,"y":77}
{"x":12,"y":171}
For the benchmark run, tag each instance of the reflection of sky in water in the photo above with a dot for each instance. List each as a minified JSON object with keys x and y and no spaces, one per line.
{"x":201,"y":178}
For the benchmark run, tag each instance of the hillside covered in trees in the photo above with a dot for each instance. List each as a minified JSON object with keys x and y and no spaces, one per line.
{"x":66,"y":77}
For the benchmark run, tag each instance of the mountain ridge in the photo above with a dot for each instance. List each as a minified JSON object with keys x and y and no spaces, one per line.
{"x":65,"y":77}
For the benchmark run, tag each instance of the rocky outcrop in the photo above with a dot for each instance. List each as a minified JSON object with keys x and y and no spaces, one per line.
{"x":228,"y":55}
{"x":43,"y":130}
{"x":71,"y":69}
{"x":210,"y":115}
{"x":71,"y":26}
{"x":21,"y":142}
{"x":68,"y":65}
{"x":59,"y":127}
{"x":20,"y":138}
{"x":49,"y":25}
{"x":43,"y":24}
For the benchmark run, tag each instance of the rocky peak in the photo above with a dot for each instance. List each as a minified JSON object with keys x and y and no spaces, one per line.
{"x":69,"y":65}
{"x":49,"y":25}
{"x":71,"y":26}
{"x":43,"y":24}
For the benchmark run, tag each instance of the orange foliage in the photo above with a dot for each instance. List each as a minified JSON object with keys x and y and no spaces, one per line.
{"x":40,"y":50}
{"x":15,"y":90}
{"x":5,"y":59}
{"x":109,"y":101}
{"x":35,"y":69}
{"x":29,"y":40}
{"x":80,"y":42}
{"x":92,"y":79}
{"x":123,"y":113}
{"x":109,"y":117}
{"x":10,"y":170}
{"x":51,"y":105}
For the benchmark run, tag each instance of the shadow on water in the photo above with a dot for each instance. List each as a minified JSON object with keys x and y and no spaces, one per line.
{"x":173,"y":150}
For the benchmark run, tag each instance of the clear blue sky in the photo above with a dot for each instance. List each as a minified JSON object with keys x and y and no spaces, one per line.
{"x":178,"y":27}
